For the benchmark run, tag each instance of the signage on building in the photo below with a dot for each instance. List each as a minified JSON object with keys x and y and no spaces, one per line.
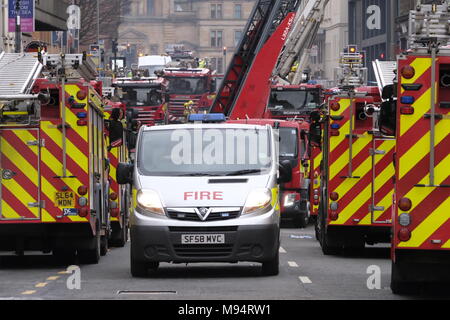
{"x":375,"y":21}
{"x":26,"y":14}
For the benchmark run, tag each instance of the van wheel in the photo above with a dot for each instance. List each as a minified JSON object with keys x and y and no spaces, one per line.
{"x":138,"y":269}
{"x":272,"y":267}
{"x":91,"y":256}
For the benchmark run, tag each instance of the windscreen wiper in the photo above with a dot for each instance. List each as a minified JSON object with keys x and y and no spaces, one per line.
{"x":243,"y":172}
{"x":198,"y":175}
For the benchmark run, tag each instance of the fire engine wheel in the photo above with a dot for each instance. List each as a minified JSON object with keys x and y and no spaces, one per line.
{"x":324,"y":239}
{"x":91,"y":256}
{"x":103,"y":245}
{"x":64,"y":256}
{"x":398,"y":284}
{"x":302,"y":220}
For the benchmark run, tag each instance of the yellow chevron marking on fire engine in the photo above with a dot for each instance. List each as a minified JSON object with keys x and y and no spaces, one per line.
{"x":417,"y":194}
{"x":31,"y":171}
{"x":421,"y":65}
{"x":8,"y":212}
{"x":347,"y":212}
{"x":46,"y":187}
{"x":362,"y":170}
{"x":416,"y":153}
{"x":72,"y":120}
{"x":386,"y":203}
{"x":335,"y":141}
{"x":358,"y":146}
{"x":432,"y":223}
{"x":72,"y":150}
{"x":446,"y":245}
{"x":421,"y":106}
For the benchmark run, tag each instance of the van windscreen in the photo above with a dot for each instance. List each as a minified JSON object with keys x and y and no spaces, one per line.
{"x":205,"y":152}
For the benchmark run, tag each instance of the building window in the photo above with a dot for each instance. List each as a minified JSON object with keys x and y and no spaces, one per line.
{"x":216,"y":38}
{"x":150,"y":7}
{"x":216,"y":11}
{"x":217,"y":65}
{"x":238,"y":11}
{"x":237,"y":37}
{"x":182,"y":5}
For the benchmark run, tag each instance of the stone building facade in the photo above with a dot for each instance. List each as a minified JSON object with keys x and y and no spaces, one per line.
{"x":203,"y":26}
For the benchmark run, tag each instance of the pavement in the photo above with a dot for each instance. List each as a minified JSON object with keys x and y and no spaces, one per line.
{"x":305,"y":274}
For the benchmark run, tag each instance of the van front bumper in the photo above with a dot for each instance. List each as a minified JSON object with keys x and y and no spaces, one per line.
{"x":258,"y":243}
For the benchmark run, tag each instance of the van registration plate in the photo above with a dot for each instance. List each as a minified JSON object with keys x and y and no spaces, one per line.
{"x":203,"y":239}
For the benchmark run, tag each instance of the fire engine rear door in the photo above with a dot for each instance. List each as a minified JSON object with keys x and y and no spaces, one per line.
{"x":383,"y":172}
{"x":20,"y":178}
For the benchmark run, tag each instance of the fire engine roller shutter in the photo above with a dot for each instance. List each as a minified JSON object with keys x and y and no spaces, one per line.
{"x":19,"y":159}
{"x":430,"y":213}
{"x":356,"y":193}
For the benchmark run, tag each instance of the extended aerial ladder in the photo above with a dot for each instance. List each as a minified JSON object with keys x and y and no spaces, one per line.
{"x":246,"y":86}
{"x":300,"y":42}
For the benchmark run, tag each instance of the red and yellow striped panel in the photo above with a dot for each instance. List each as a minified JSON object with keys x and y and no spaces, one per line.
{"x":430,"y":212}
{"x":20,"y":188}
{"x":365,"y":198}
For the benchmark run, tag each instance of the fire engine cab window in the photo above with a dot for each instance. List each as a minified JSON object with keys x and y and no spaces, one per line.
{"x":187,"y":85}
{"x":288,"y":143}
{"x":294,"y":100}
{"x":135,"y":97}
{"x":208,"y":152}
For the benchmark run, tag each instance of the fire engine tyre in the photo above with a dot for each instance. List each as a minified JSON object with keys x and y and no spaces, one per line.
{"x":302,"y":220}
{"x":103,"y":245}
{"x":398,"y":285}
{"x":91,"y":256}
{"x":64,"y":256}
{"x":272,"y":267}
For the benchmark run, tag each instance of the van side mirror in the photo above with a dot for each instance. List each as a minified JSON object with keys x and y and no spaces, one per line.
{"x":124,"y":173}
{"x":285,"y":172}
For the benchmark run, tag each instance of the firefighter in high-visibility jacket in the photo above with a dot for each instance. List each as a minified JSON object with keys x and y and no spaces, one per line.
{"x":189,"y":108}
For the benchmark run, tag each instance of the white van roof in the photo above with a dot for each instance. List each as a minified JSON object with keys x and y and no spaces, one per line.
{"x":154,"y":60}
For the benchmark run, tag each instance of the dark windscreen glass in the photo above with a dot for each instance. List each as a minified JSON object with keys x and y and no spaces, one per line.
{"x":289,"y":143}
{"x":188,"y":86}
{"x":294,"y":100}
{"x":141,"y":97}
{"x":218,"y":152}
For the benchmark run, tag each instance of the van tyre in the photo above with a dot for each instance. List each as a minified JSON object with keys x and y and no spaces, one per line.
{"x":91,"y":256}
{"x":139,"y":269}
{"x":272,"y":267}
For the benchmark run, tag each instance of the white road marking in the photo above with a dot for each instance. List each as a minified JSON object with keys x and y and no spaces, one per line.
{"x":28,"y":292}
{"x":305,"y":280}
{"x":41,"y":285}
{"x":53,"y":278}
{"x":292,"y":264}
{"x":282,"y":250}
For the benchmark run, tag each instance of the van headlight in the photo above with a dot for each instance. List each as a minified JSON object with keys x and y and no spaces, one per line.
{"x":149,"y":200}
{"x":258,"y":201}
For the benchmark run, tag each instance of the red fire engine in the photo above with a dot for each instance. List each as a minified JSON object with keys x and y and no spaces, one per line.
{"x":357,"y":170}
{"x":146,"y":95}
{"x":189,"y":87}
{"x":53,"y":151}
{"x":418,"y":112}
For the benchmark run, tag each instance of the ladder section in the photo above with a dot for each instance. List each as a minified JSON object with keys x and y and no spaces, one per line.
{"x":267,"y":15}
{"x":17,"y":73}
{"x":384,"y":73}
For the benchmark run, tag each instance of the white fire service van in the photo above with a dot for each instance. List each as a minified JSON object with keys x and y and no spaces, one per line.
{"x":205,"y":192}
